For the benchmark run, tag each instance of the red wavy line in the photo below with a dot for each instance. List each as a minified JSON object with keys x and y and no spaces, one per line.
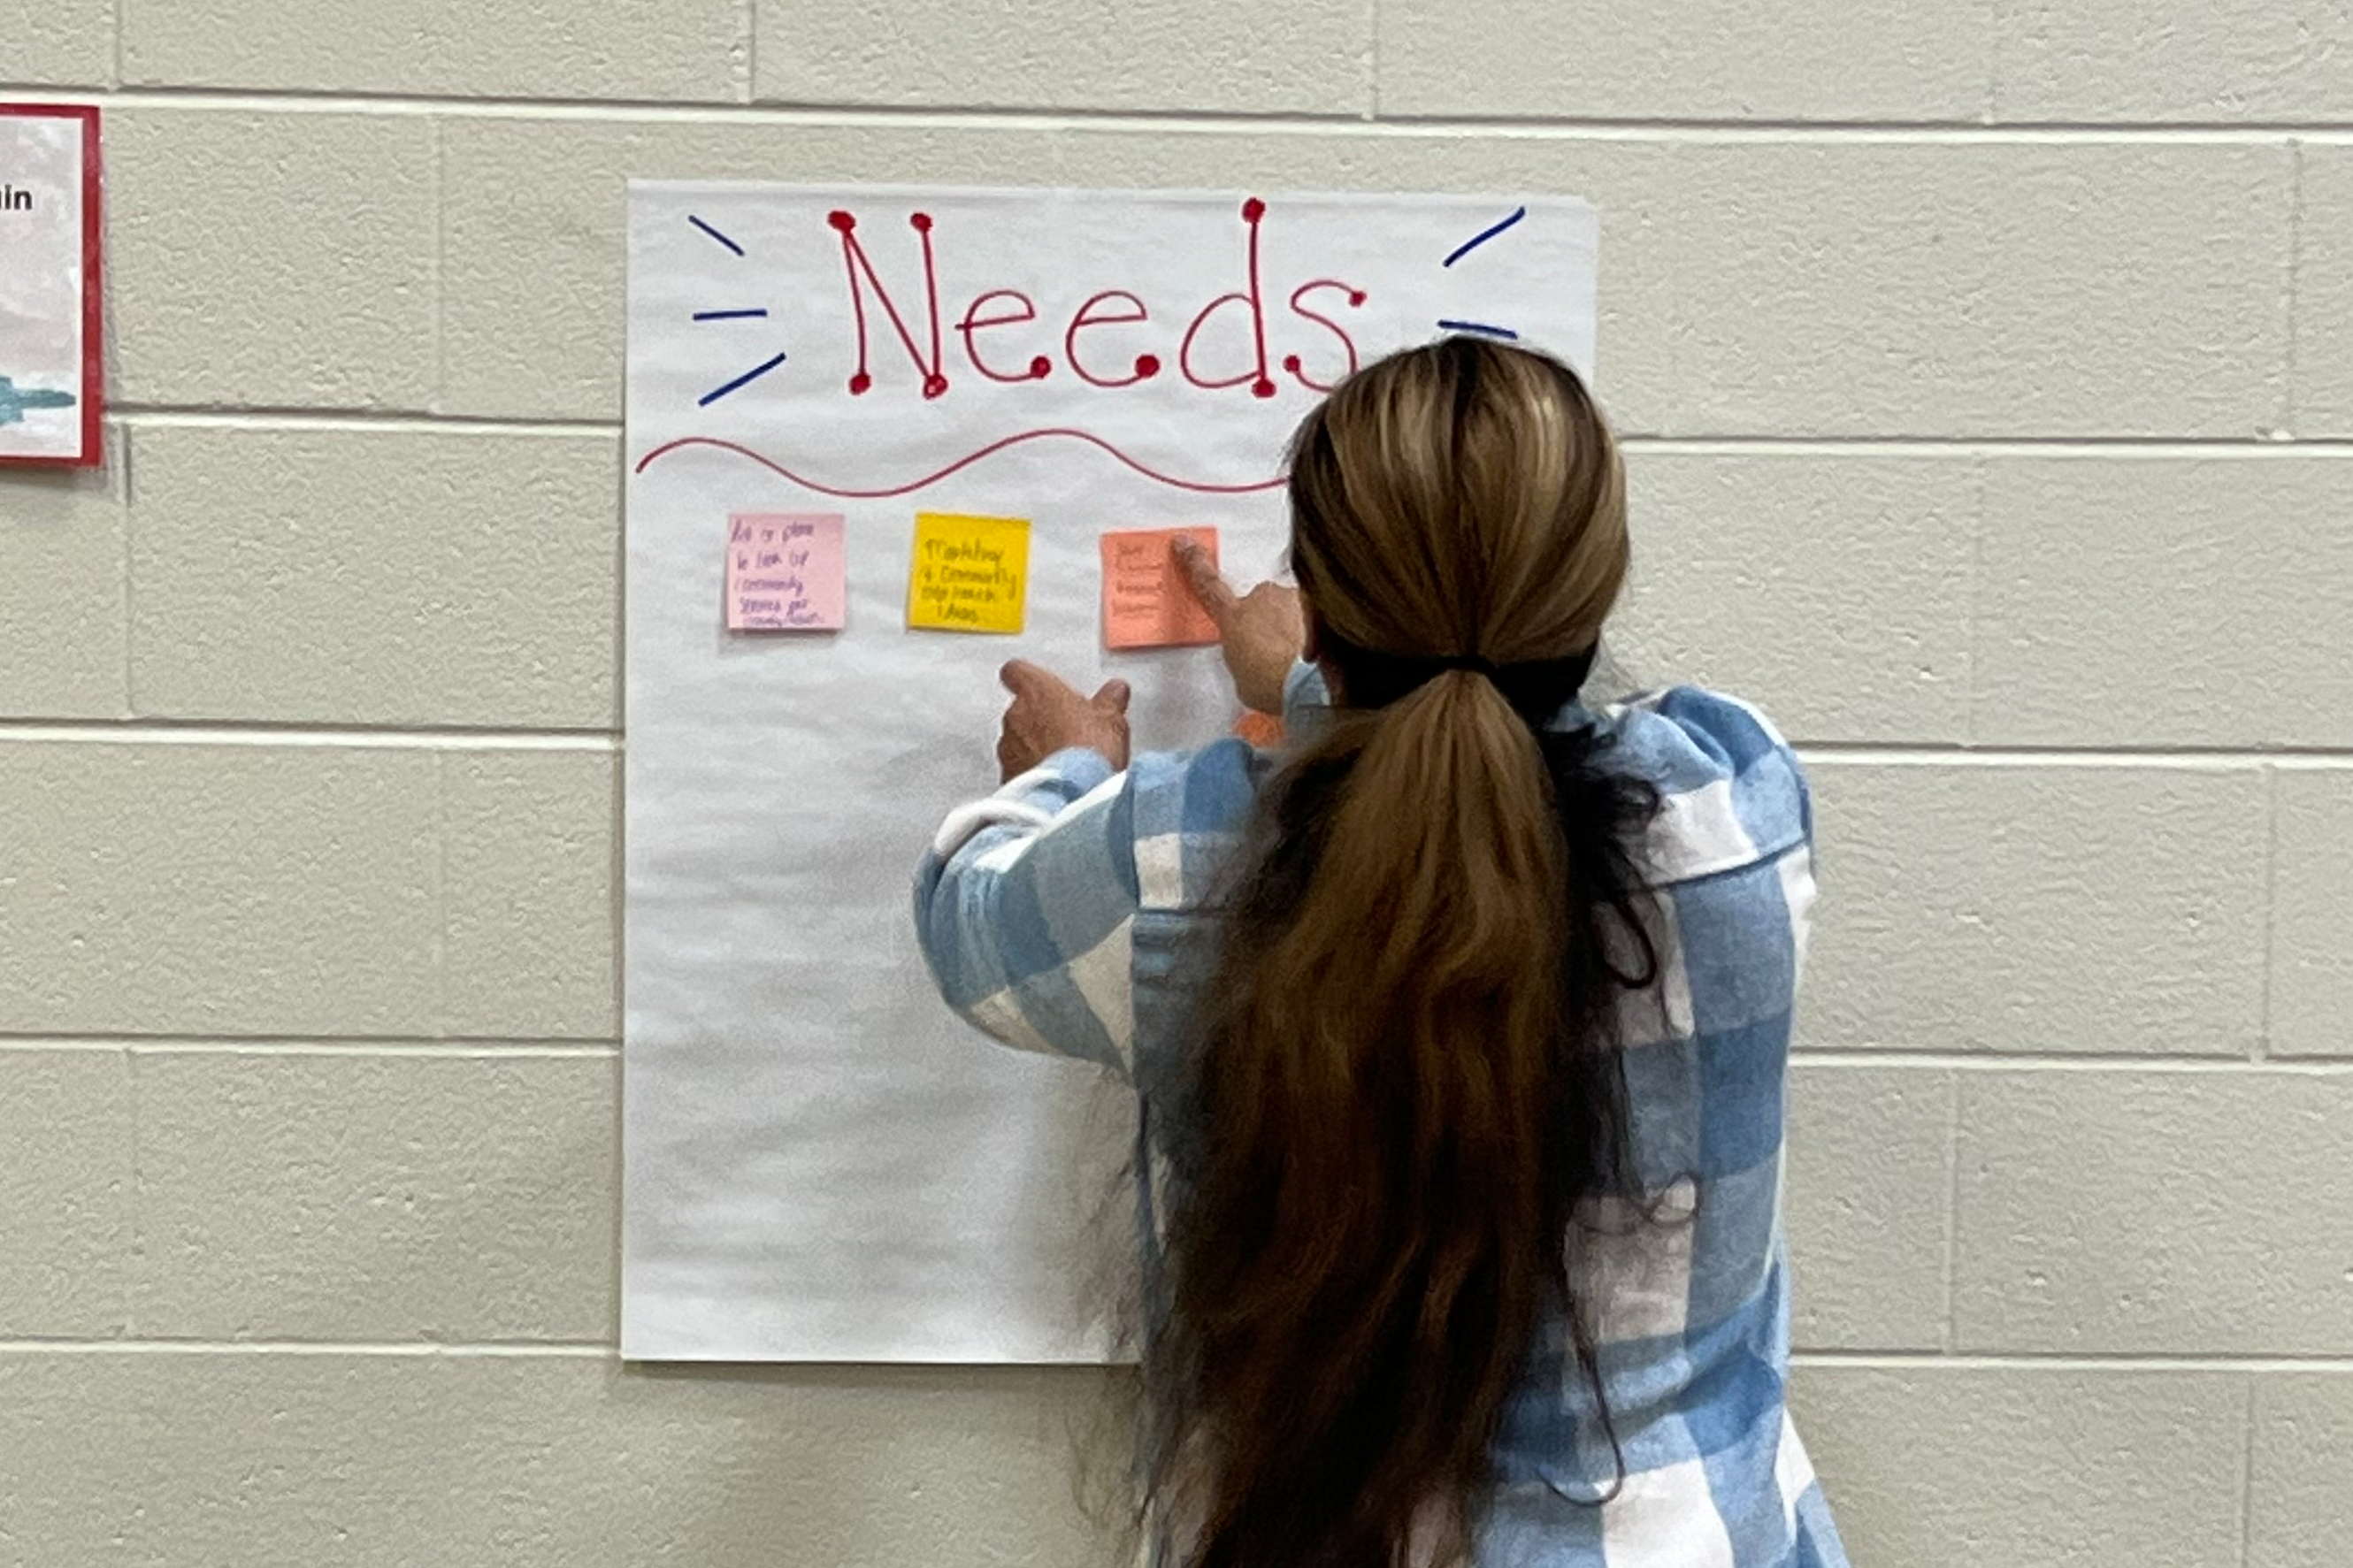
{"x":666,"y":447}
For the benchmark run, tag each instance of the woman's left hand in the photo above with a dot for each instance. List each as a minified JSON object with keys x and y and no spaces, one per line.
{"x":1048,"y":715}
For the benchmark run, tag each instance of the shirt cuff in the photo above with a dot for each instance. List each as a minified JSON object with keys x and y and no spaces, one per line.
{"x":1068,"y":774}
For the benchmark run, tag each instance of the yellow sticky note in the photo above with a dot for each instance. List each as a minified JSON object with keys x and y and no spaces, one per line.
{"x":970,"y":574}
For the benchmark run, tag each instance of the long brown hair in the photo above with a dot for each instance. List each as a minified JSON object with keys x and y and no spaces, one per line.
{"x":1404,"y":1079}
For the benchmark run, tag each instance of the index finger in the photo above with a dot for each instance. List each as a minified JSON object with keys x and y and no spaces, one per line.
{"x":1201,"y":575}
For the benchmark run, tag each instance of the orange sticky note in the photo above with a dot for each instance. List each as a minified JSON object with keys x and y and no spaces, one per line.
{"x":1263,"y":730}
{"x":970,"y":574}
{"x":786,"y":573}
{"x":1145,"y":600}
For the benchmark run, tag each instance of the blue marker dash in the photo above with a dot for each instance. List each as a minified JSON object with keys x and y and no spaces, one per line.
{"x":1479,"y":327}
{"x":16,"y":400}
{"x":714,"y":234}
{"x":1481,"y":237}
{"x":749,"y":376}
{"x":728,"y":315}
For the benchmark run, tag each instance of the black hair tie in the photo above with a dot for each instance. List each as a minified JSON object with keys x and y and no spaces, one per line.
{"x":1537,"y":689}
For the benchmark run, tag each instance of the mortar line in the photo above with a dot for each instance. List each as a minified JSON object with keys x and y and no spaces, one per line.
{"x":1933,"y":129}
{"x":2250,"y":1366}
{"x":2220,"y":1063}
{"x":466,"y":1047}
{"x":441,"y":895}
{"x":2296,"y":224}
{"x":295,"y":735}
{"x":2207,"y":759}
{"x":2247,"y":1481}
{"x":2073,"y":1361}
{"x":2262,"y":1047}
{"x":219,"y":416}
{"x":440,"y":262}
{"x":138,"y":1194}
{"x":1951,"y":1327}
{"x":493,"y":1047}
{"x":1991,"y":113}
{"x":298,"y":733}
{"x":425,"y":1349}
{"x":1901,"y":444}
{"x":1980,"y":483}
{"x":1898,"y":445}
{"x":751,"y":51}
{"x":130,"y":599}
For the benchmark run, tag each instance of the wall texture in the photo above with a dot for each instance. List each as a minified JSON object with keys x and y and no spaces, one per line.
{"x":1990,"y":367}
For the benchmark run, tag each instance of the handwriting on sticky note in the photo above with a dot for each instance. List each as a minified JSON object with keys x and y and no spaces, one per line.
{"x":1146,"y":600}
{"x":786,"y":571}
{"x":970,"y":574}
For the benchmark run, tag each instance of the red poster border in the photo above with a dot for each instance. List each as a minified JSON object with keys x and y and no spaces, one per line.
{"x":93,"y":293}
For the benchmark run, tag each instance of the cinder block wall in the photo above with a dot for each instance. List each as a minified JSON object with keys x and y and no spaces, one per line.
{"x":1988,"y":367}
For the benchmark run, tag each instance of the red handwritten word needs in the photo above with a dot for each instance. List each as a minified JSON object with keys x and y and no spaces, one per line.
{"x":1106,"y":358}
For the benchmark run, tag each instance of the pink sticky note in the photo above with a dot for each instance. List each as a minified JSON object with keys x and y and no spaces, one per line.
{"x":786,"y":571}
{"x":1145,"y":600}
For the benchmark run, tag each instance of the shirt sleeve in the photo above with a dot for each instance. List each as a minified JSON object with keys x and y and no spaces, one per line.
{"x":1024,"y":907}
{"x":1734,"y":790}
{"x":1734,"y":843}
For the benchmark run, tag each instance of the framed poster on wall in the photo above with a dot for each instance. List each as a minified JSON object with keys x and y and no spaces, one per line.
{"x":50,"y":370}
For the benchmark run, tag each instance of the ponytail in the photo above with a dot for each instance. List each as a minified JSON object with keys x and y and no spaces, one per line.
{"x":1401,"y":1095}
{"x":1404,"y":1079}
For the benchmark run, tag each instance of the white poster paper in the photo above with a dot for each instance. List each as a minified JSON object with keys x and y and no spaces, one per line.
{"x":822,"y":1164}
{"x":49,"y":285}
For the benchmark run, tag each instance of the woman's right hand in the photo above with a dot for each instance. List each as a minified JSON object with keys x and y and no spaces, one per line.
{"x":1263,"y":633}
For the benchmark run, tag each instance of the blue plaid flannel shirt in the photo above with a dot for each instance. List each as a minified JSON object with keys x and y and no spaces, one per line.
{"x":1053,"y":914}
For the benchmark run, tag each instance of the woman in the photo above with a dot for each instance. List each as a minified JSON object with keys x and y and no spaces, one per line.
{"x":1460,"y":1031}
